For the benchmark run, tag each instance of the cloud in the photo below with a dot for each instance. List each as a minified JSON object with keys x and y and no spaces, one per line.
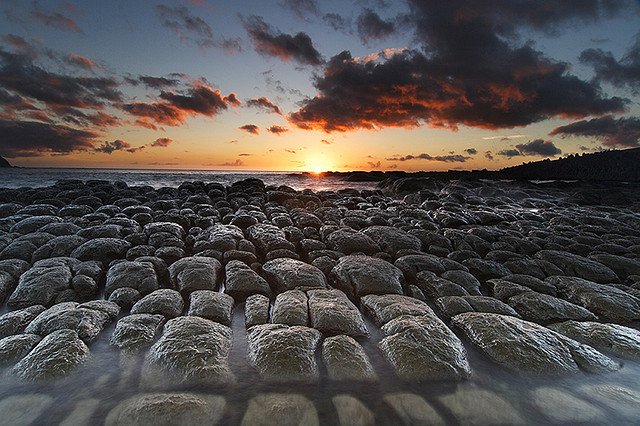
{"x":270,"y":42}
{"x":326,"y":142}
{"x":180,"y":20}
{"x":152,"y":82}
{"x":488,"y":155}
{"x":265,"y":103}
{"x":301,"y":8}
{"x":277,"y":130}
{"x":162,"y":142}
{"x":442,"y":158}
{"x":612,"y":132}
{"x":236,"y":163}
{"x":471,"y":151}
{"x":503,"y":138}
{"x":539,"y":147}
{"x":250,"y":128}
{"x":57,"y":21}
{"x":290,"y":151}
{"x":245,"y":155}
{"x":473,"y":68}
{"x":174,"y":108}
{"x":80,"y":61}
{"x":338,"y":22}
{"x":31,"y":138}
{"x":372,"y":27}
{"x":512,"y":152}
{"x":624,"y":72}
{"x":373,"y":165}
{"x":117,"y":145}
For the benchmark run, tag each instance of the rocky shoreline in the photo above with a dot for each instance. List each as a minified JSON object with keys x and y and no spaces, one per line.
{"x":203,"y":289}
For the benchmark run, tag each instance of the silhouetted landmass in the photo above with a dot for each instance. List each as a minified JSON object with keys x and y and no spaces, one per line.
{"x":4,"y":163}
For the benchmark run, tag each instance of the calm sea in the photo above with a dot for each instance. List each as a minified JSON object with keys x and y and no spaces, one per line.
{"x":40,"y":177}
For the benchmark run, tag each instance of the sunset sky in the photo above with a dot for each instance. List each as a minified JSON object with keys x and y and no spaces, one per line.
{"x":316,"y":85}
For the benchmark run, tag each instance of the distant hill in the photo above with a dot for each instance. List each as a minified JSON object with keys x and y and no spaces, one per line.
{"x":620,"y":165}
{"x":4,"y":163}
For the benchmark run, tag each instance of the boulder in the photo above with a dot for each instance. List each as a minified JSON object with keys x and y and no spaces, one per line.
{"x":40,"y":285}
{"x":544,"y":309}
{"x":125,"y":297}
{"x":484,"y":269}
{"x":14,"y":348}
{"x":422,"y":348}
{"x":288,"y":274}
{"x":346,"y":360}
{"x":282,"y":353}
{"x":140,"y":276}
{"x":195,"y":273}
{"x":256,"y":310}
{"x":464,"y":279}
{"x":291,"y":308}
{"x":268,"y":237}
{"x":619,"y":340}
{"x":211,"y":305}
{"x":349,"y":241}
{"x":102,"y":249}
{"x":55,"y":356}
{"x":358,"y":275}
{"x":164,"y":409}
{"x":15,"y":322}
{"x":331,"y":312}
{"x":87,"y":323}
{"x":577,"y":266}
{"x":136,"y":331}
{"x":391,"y":240}
{"x":165,"y":302}
{"x":622,"y":266}
{"x":241,"y":281}
{"x":434,"y":286}
{"x":383,"y":309}
{"x":607,"y":302}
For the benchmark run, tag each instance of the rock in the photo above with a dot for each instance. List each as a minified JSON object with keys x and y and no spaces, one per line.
{"x":164,"y":409}
{"x":391,"y":240}
{"x":191,"y":350}
{"x":561,"y":407}
{"x":241,"y":281}
{"x":352,"y":412}
{"x":412,"y":409}
{"x":40,"y":285}
{"x":422,"y":348}
{"x":256,"y":310}
{"x":608,"y":303}
{"x":165,"y":302}
{"x":136,"y":331}
{"x":87,"y":323}
{"x":436,"y":287}
{"x":532,"y":283}
{"x":195,"y":273}
{"x":544,"y":309}
{"x":577,"y":266}
{"x":464,"y":279}
{"x":102,"y":249}
{"x":349,"y":241}
{"x":617,"y":339}
{"x":169,"y":227}
{"x":140,"y":276}
{"x":14,"y":348}
{"x":110,"y":308}
{"x":268,"y":238}
{"x":61,"y":246}
{"x":621,"y":400}
{"x":55,"y":356}
{"x":15,"y":322}
{"x":288,"y":274}
{"x":484,"y":269}
{"x":346,"y":360}
{"x":125,"y":297}
{"x":211,"y":305}
{"x":283,"y":353}
{"x":622,"y":266}
{"x":219,"y":237}
{"x":331,"y":312}
{"x":454,"y":305}
{"x":33,"y":223}
{"x":291,"y":308}
{"x":472,"y":406}
{"x":383,"y":309}
{"x":358,"y":275}
{"x":523,"y":346}
{"x":24,"y":409}
{"x":274,"y":409}
{"x":451,"y":306}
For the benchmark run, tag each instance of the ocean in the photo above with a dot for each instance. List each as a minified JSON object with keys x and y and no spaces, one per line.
{"x":157,"y":178}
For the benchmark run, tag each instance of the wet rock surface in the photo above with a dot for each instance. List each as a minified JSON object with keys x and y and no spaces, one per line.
{"x":252,"y":304}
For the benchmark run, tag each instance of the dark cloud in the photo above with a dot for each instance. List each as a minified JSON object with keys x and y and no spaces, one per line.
{"x":236,"y":163}
{"x":539,"y":147}
{"x":270,"y":42}
{"x":80,"y":61}
{"x":373,"y":165}
{"x":157,"y":112}
{"x":473,"y":69}
{"x":511,"y":152}
{"x":157,"y":82}
{"x":100,"y":120}
{"x":180,"y":20}
{"x":21,"y":45}
{"x":250,"y":128}
{"x":117,"y":145}
{"x":611,"y":132}
{"x":277,"y":130}
{"x":488,"y":155}
{"x":245,"y":155}
{"x":301,"y":8}
{"x":442,"y":158}
{"x":471,"y":151}
{"x":265,"y":103}
{"x":162,"y":142}
{"x":624,"y":72}
{"x":326,"y":142}
{"x":372,"y":27}
{"x":57,"y":20}
{"x":338,"y":22}
{"x":19,"y":74}
{"x":31,"y":138}
{"x":290,"y":151}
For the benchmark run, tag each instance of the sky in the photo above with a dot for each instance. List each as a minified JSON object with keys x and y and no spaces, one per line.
{"x":309,"y":85}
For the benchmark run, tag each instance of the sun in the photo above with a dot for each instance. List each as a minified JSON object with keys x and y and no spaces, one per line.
{"x":317,"y":170}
